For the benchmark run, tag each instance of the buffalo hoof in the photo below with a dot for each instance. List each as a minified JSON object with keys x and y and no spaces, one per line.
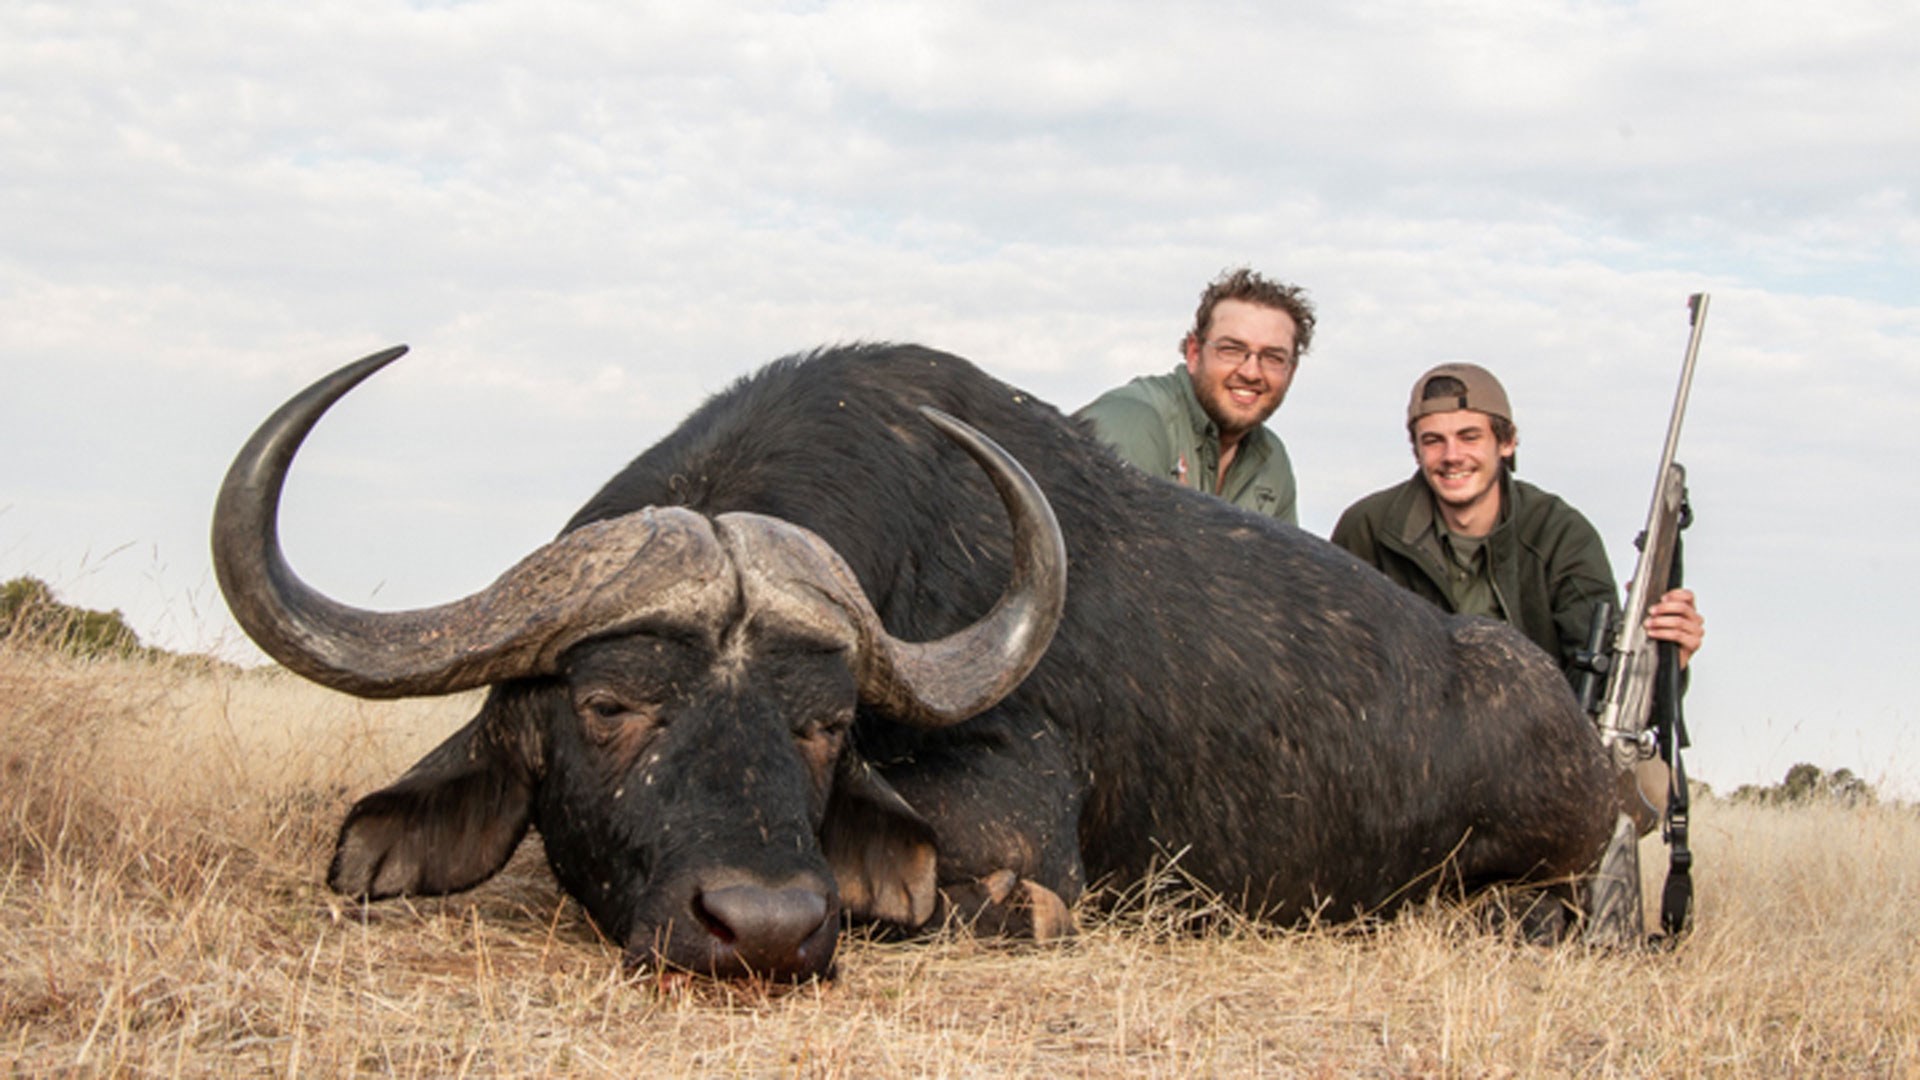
{"x":1003,"y":904}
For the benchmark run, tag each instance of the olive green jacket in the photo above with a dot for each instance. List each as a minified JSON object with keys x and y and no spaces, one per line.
{"x":1548,"y":563}
{"x":1156,"y":423}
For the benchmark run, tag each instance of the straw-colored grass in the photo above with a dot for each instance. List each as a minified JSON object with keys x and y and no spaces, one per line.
{"x":164,"y":831}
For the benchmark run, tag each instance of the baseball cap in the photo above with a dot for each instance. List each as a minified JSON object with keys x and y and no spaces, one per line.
{"x":1477,"y":390}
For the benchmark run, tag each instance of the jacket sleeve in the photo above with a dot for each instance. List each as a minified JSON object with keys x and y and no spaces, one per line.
{"x":1354,"y":532}
{"x":1578,"y":576}
{"x":1287,"y":488}
{"x":1133,"y":429}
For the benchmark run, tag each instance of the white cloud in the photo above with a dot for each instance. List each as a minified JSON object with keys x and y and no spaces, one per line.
{"x":586,"y":217}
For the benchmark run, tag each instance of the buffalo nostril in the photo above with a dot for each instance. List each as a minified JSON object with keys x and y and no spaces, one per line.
{"x":762,"y":922}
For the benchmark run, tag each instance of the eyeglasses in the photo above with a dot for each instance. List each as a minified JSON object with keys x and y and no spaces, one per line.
{"x":1235,"y":353}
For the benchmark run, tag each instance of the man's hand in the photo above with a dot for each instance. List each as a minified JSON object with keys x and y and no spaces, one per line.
{"x":1674,"y":618}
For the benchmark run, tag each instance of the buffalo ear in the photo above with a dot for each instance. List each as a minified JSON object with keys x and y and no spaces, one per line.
{"x":450,"y":822}
{"x":882,"y":852}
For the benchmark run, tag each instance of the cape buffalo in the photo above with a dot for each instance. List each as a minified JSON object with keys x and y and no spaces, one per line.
{"x":707,"y":697}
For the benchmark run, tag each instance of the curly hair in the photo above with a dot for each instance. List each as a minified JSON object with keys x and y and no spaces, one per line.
{"x":1246,"y":285}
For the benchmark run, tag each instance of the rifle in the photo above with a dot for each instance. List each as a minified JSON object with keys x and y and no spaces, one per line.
{"x":1639,"y":715}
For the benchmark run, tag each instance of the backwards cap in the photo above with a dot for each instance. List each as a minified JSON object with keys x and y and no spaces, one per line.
{"x":1480,"y":391}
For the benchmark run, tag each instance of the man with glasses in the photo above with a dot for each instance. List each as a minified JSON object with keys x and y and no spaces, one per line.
{"x":1203,"y":425}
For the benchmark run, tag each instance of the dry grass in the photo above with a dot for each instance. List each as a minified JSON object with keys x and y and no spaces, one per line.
{"x":164,"y":831}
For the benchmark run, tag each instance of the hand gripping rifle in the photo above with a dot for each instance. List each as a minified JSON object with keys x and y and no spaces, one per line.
{"x":1631,"y":684}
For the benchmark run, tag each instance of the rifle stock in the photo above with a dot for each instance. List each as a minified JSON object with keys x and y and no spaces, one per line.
{"x":1634,"y":662}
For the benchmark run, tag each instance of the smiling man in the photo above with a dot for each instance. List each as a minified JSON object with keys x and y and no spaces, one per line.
{"x":1465,"y":534}
{"x":1203,"y":425}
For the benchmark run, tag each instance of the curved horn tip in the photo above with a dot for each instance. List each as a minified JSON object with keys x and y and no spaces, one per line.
{"x":943,"y":419}
{"x":962,"y":432}
{"x":384,"y":357}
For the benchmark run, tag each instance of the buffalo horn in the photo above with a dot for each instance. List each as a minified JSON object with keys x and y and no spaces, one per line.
{"x":934,"y":683}
{"x":594,"y":578}
{"x":952,"y":678}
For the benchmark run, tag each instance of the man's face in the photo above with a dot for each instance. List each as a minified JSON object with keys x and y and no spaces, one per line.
{"x":1460,"y":457}
{"x":1242,"y":371}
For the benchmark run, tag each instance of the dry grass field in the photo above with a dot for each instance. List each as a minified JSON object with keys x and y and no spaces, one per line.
{"x":164,"y":830}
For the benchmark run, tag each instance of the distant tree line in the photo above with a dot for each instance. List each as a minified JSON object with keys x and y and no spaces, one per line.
{"x":1806,"y":783}
{"x":31,"y":615}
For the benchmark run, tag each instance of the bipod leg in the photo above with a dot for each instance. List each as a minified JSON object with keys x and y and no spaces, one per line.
{"x":1614,"y":918}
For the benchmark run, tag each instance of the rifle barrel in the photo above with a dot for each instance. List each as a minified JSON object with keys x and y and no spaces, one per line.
{"x":1640,"y":594}
{"x":1697,"y":304}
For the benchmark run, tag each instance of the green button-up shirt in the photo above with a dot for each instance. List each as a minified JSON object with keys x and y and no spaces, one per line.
{"x":1156,"y":423}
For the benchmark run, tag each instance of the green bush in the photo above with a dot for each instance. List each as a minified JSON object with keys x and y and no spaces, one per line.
{"x":31,"y":615}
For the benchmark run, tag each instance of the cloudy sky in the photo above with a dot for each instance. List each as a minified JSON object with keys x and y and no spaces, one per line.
{"x":587,"y":217}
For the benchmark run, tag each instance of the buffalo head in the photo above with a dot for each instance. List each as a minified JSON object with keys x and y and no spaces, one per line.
{"x":671,"y":702}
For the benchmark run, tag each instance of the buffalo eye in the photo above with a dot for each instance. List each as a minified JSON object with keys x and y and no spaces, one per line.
{"x":821,"y":739}
{"x":606,"y":715}
{"x":829,"y":725}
